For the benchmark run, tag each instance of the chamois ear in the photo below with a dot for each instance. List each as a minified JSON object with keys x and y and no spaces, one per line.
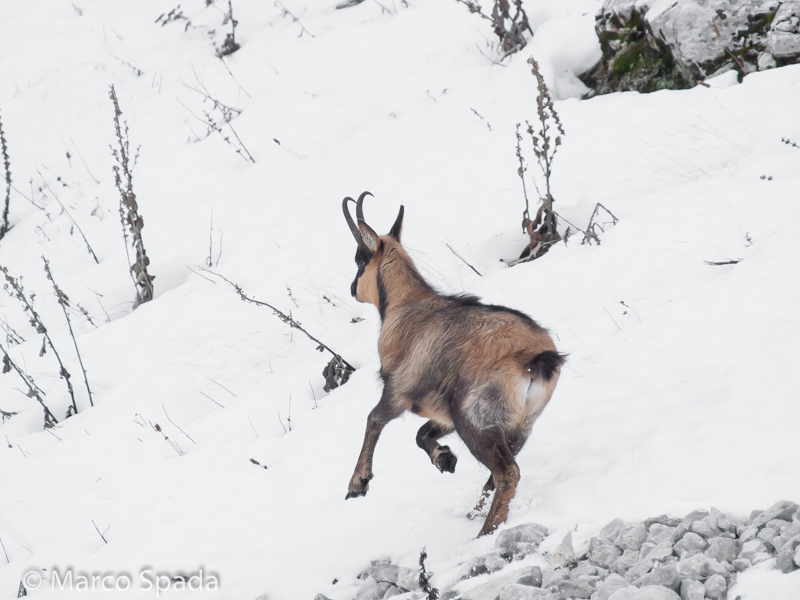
{"x":394,"y":232}
{"x":369,"y":237}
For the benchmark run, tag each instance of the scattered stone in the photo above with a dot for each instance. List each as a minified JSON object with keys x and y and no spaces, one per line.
{"x":408,"y":579}
{"x":780,"y":510}
{"x":489,"y":590}
{"x":531,"y":534}
{"x":692,"y":590}
{"x":716,"y":587}
{"x":392,"y":592}
{"x":607,"y":588}
{"x":605,"y":555}
{"x":628,"y":559}
{"x":552,"y":577}
{"x":693,"y":541}
{"x":723,"y":549}
{"x":751,"y":548}
{"x":785,"y":561}
{"x":666,"y":576}
{"x":797,"y":556}
{"x":515,"y":591}
{"x":372,"y":589}
{"x":659,"y":532}
{"x":650,"y":592}
{"x":687,"y":522}
{"x":662,"y":520}
{"x":577,"y":588}
{"x":707,"y":527}
{"x":741,"y":564}
{"x":612,"y":531}
{"x":640,"y":569}
{"x":533,"y":579}
{"x":699,"y":567}
{"x":633,"y":537}
{"x":317,"y":597}
{"x":660,"y":551}
{"x":385,"y":572}
{"x":584,"y":568}
{"x":565,"y":553}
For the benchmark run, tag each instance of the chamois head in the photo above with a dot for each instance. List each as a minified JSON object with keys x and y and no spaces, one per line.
{"x":370,"y":251}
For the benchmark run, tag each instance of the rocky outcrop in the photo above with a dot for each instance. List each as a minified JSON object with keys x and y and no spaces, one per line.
{"x":650,"y":45}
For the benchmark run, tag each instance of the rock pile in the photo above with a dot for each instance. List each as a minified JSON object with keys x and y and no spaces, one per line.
{"x":662,"y":558}
{"x":649,"y":45}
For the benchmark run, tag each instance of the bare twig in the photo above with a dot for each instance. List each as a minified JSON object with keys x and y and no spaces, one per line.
{"x":63,"y":301}
{"x":285,"y":12}
{"x":33,"y":390}
{"x":98,"y":531}
{"x":15,"y":290}
{"x":70,"y":217}
{"x":462,"y":260}
{"x":172,"y":443}
{"x":4,"y":226}
{"x":176,"y":425}
{"x":132,"y":222}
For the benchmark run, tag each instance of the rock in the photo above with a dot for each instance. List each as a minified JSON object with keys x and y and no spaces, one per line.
{"x":725,"y":522}
{"x":699,"y":567}
{"x":533,"y":578}
{"x":640,"y":569}
{"x":633,"y":537}
{"x":751,"y":548}
{"x":659,"y":532}
{"x":785,"y":561}
{"x":687,"y":522}
{"x":649,"y":45}
{"x":392,"y":592}
{"x":797,"y":556}
{"x":650,"y":592}
{"x":515,"y":591}
{"x":662,"y":520}
{"x":716,"y":587}
{"x":611,"y":532}
{"x":408,"y":579}
{"x":692,"y":590}
{"x":608,"y":587}
{"x":385,"y":571}
{"x":552,"y":577}
{"x":490,"y":589}
{"x":723,"y":549}
{"x":372,"y":589}
{"x":487,"y":563}
{"x":584,"y":568}
{"x":605,"y":555}
{"x":741,"y":564}
{"x":660,"y":551}
{"x":577,"y":588}
{"x":706,"y":527}
{"x":564,"y":554}
{"x":628,"y":559}
{"x":766,"y":535}
{"x":780,"y":510}
{"x":666,"y":576}
{"x":528,"y":533}
{"x":317,"y":597}
{"x":693,"y":541}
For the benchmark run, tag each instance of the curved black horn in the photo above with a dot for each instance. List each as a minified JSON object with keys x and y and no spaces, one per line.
{"x":349,"y":218}
{"x":360,"y":207}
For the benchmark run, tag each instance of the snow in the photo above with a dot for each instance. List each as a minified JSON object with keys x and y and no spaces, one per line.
{"x":683,"y":397}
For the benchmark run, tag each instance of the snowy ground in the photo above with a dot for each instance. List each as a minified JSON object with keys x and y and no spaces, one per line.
{"x":683,"y":397}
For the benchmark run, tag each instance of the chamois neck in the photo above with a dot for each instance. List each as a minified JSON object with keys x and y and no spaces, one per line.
{"x":399,"y":282}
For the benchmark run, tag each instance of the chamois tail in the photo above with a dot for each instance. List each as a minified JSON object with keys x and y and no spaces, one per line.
{"x":545,"y":364}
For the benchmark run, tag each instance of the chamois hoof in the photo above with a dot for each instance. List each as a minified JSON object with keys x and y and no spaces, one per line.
{"x":358,"y":487}
{"x":445,"y":460}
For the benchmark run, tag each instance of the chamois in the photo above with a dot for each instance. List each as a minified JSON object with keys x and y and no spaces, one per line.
{"x":483,"y":371}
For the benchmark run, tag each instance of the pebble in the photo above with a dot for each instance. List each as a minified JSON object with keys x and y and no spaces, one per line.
{"x":716,"y":587}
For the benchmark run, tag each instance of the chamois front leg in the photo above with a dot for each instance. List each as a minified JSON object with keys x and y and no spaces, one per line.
{"x":383,"y":412}
{"x":441,"y":456}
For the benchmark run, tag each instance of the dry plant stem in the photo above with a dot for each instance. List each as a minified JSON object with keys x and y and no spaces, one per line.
{"x":132,"y":222}
{"x":4,"y":550}
{"x":285,"y":12}
{"x":39,"y":326}
{"x":33,"y":390}
{"x":63,"y":302}
{"x":521,"y":172}
{"x":98,"y":532}
{"x":70,"y":217}
{"x":282,"y":316}
{"x":464,"y":261}
{"x":4,"y":226}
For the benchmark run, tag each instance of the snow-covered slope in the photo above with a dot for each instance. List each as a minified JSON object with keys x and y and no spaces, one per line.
{"x":680,"y":388}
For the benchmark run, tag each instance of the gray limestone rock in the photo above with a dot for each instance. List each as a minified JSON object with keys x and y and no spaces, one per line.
{"x":515,"y":591}
{"x":640,"y":569}
{"x":633,"y":537}
{"x":780,"y":510}
{"x":611,"y":532}
{"x":408,"y":579}
{"x":650,"y":592}
{"x":385,"y":572}
{"x":607,"y":588}
{"x":751,"y":548}
{"x":528,"y":533}
{"x":693,"y":541}
{"x":692,"y":590}
{"x":660,"y":551}
{"x":490,"y":589}
{"x":797,"y":556}
{"x":741,"y":564}
{"x":533,"y":578}
{"x":564,"y":554}
{"x":605,"y":555}
{"x":716,"y":587}
{"x":699,"y":567}
{"x":785,"y":561}
{"x":552,"y":577}
{"x":666,"y":576}
{"x":659,"y":532}
{"x":577,"y":588}
{"x":724,"y":549}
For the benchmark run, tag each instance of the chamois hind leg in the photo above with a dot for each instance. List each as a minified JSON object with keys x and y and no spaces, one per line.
{"x":491,"y":448}
{"x":384,"y":411}
{"x":441,"y":456}
{"x":488,"y":488}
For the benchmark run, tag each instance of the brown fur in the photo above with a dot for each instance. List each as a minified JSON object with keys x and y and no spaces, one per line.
{"x":469,"y":367}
